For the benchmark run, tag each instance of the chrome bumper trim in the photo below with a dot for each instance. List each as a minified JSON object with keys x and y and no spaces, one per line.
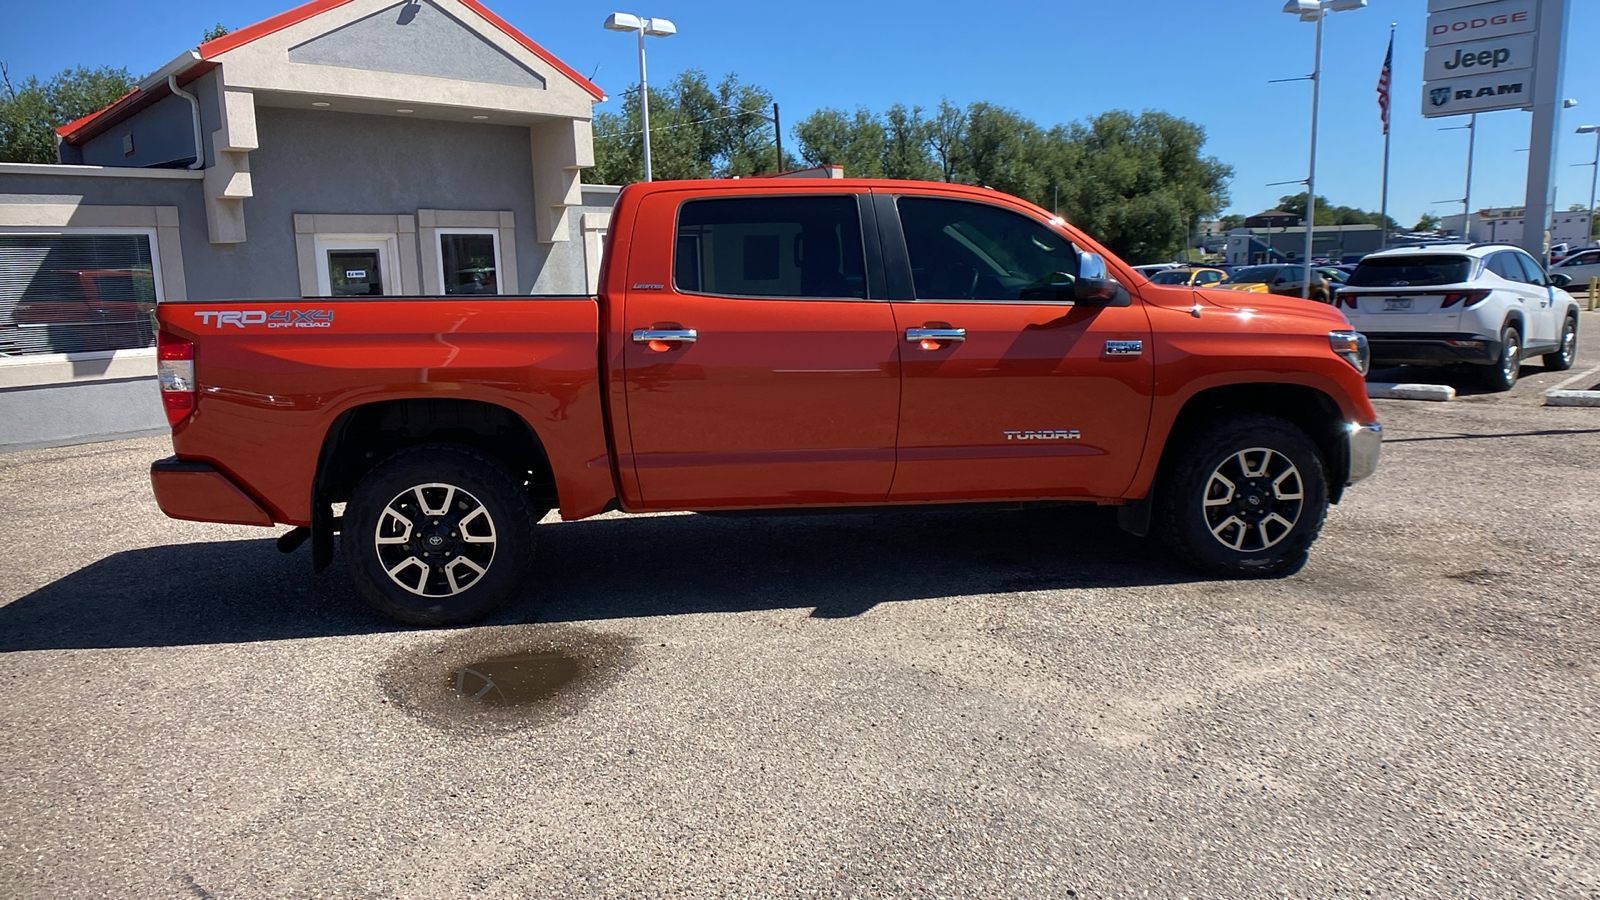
{"x":1365,"y":445}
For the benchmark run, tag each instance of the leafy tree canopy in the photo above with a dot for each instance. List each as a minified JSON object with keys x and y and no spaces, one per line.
{"x":31,"y":111}
{"x":214,"y":32}
{"x":1427,"y":222}
{"x":1328,"y":214}
{"x":1138,"y":182}
{"x":696,"y":131}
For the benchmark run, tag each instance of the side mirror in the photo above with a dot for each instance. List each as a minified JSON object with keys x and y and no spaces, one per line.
{"x":1560,"y":279}
{"x":1094,"y":286}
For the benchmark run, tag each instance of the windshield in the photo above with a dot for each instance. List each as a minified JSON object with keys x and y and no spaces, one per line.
{"x":1172,"y":276}
{"x":1406,"y":271}
{"x":1255,"y":275}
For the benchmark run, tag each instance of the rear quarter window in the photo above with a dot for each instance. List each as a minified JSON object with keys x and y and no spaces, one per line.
{"x":1412,"y":271}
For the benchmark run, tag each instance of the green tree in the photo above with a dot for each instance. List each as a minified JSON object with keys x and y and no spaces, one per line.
{"x":1426,"y":222}
{"x":829,"y":137}
{"x":214,"y":32}
{"x":1230,"y":222}
{"x":1140,"y":184}
{"x":1329,"y":214}
{"x":697,"y":130}
{"x":30,"y":112}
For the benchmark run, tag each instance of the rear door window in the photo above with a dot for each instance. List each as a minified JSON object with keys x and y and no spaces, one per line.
{"x":770,"y":247}
{"x":1412,"y":271}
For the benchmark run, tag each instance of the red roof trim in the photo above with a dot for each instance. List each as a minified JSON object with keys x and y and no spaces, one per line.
{"x":71,"y":128}
{"x":98,"y":123}
{"x":537,"y":50}
{"x":267,"y":26}
{"x":232,"y":40}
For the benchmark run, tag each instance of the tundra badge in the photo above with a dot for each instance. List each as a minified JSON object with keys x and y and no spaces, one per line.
{"x":1124,"y":348}
{"x":1050,"y":435}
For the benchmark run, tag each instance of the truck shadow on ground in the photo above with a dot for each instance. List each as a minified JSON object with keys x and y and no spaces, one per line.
{"x":838,"y":565}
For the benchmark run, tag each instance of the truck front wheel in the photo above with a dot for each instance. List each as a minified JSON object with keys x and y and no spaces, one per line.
{"x":1245,"y":498}
{"x":438,"y":534}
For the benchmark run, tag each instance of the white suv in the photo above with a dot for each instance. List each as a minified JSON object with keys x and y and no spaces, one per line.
{"x":1489,"y":305}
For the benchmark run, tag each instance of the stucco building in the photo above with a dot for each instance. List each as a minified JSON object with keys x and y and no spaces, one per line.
{"x":358,"y":147}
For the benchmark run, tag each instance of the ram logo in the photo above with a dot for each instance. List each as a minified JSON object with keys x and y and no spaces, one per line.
{"x":1050,"y":435}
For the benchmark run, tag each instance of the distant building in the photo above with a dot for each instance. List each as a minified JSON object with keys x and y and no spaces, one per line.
{"x":1505,"y":224}
{"x":1251,"y":246}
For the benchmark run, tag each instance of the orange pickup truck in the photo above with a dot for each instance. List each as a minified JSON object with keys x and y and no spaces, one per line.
{"x":759,"y":345}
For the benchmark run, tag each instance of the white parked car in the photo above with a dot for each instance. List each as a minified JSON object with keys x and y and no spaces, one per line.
{"x":1487,"y":305}
{"x":1580,"y":267}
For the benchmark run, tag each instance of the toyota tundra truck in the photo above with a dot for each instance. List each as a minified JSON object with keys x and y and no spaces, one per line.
{"x":759,"y":345}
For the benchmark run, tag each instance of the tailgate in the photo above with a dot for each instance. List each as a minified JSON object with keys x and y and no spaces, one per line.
{"x":1378,"y":310}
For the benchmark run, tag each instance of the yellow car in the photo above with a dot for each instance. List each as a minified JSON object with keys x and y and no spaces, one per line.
{"x":1277,"y":279}
{"x":1190,"y":277}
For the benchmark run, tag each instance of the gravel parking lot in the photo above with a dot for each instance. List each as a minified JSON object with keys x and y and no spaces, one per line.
{"x":1019,"y":704}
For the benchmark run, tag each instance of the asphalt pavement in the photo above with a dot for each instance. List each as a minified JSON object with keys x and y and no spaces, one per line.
{"x":972,"y":703}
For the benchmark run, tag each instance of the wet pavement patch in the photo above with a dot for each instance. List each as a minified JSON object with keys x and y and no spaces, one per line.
{"x":503,"y":678}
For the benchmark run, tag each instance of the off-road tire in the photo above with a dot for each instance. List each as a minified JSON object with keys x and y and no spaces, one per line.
{"x":1502,"y":375}
{"x":1189,"y":525}
{"x":1562,"y":359}
{"x":484,"y":521}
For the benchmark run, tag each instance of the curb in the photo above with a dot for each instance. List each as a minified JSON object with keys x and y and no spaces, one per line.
{"x":1384,"y":390}
{"x":1572,"y":398}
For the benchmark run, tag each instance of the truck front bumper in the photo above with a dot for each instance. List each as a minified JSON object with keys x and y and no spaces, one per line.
{"x":1364,"y":444}
{"x":199,"y":493}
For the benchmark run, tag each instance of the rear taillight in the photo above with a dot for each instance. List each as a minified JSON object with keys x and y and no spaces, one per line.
{"x":175,"y":371}
{"x":1342,"y":300}
{"x":1467,"y":299}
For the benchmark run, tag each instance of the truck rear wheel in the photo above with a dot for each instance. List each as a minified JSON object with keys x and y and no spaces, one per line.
{"x":1245,"y":498}
{"x":438,"y":534}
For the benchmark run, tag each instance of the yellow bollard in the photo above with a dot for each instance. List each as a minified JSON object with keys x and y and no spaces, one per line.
{"x":1594,"y":291}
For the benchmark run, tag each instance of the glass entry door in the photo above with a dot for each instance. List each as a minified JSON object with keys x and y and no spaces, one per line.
{"x":356,"y":265}
{"x":353,"y":272}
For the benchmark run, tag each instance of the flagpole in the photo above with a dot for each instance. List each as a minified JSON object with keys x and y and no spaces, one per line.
{"x":1383,"y":215}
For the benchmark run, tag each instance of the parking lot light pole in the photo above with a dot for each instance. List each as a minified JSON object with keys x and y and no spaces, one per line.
{"x":1594,"y":130}
{"x":655,"y":28}
{"x":1315,"y":11}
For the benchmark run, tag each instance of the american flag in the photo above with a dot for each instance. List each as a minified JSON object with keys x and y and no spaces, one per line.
{"x":1383,"y":83}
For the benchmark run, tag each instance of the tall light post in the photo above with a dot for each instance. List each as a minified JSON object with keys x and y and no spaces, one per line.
{"x":654,"y":28}
{"x":1594,"y":130}
{"x":1315,"y":11}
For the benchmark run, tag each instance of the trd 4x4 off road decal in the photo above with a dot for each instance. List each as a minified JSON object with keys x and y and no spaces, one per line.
{"x":281,"y":318}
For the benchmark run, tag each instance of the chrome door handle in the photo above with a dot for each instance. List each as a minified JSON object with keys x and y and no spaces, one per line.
{"x":681,"y":335}
{"x":936,"y":334}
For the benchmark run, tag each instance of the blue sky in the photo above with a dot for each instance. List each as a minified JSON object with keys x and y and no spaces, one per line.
{"x":1206,"y":60}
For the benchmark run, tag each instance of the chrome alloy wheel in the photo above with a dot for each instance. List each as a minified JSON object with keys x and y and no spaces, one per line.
{"x":1253,"y":500}
{"x":435,"y":540}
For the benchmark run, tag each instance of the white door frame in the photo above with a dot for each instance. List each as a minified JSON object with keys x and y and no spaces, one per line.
{"x":387,"y":245}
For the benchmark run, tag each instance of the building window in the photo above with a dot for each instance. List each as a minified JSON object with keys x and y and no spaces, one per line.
{"x":356,"y":265}
{"x":469,"y":261}
{"x":77,"y":291}
{"x":467,"y":251}
{"x":356,"y":255}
